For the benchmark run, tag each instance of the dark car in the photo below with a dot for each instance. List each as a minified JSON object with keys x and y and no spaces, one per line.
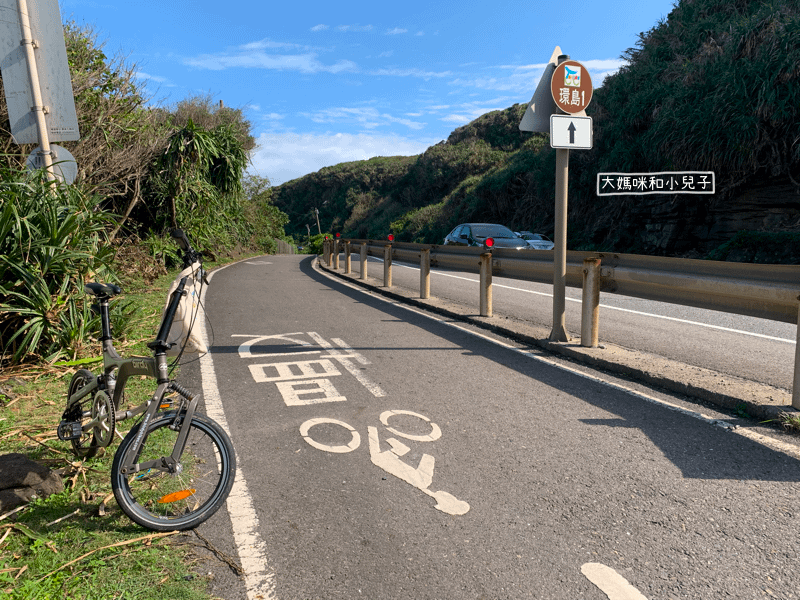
{"x":474,"y":234}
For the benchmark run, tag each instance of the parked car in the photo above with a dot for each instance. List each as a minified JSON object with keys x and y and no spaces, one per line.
{"x":536,"y":240}
{"x":474,"y":234}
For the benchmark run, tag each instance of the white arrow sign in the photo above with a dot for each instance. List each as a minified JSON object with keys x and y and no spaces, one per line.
{"x":570,"y":132}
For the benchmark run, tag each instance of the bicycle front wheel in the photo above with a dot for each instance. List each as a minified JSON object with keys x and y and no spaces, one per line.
{"x":164,"y":501}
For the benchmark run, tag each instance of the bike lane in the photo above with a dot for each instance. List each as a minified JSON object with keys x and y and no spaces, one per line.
{"x":387,"y":456}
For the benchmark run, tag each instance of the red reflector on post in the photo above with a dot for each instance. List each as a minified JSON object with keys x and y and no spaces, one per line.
{"x":391,"y":237}
{"x":489,"y":242}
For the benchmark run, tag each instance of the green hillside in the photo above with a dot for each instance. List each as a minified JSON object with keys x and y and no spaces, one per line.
{"x":715,"y":86}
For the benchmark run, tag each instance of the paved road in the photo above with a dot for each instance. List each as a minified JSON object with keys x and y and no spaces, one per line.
{"x":756,"y":349}
{"x":385,"y":454}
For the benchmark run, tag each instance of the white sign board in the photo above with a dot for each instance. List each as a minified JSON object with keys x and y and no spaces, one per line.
{"x":570,"y":132}
{"x":54,"y":77}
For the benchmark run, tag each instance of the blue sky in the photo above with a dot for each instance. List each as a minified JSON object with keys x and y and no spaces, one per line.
{"x":329,"y":82}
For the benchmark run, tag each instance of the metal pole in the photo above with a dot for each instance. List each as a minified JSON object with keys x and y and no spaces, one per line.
{"x":486,"y":284}
{"x":425,"y":273}
{"x":796,"y":383}
{"x":559,"y":331}
{"x":590,"y":307}
{"x":336,"y":254}
{"x":319,"y":229}
{"x":38,"y":107}
{"x":347,"y":257}
{"x":363,"y":261}
{"x":387,"y":265}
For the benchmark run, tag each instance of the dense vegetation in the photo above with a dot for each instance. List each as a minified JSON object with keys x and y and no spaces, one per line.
{"x":715,"y":86}
{"x":142,"y":171}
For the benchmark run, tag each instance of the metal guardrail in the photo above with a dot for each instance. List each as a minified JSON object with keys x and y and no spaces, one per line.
{"x":765,"y":291}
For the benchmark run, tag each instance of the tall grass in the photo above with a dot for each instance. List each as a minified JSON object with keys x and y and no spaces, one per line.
{"x":51,"y":241}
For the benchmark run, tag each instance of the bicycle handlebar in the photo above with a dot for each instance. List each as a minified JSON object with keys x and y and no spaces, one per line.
{"x":183,"y":241}
{"x":190,"y":255}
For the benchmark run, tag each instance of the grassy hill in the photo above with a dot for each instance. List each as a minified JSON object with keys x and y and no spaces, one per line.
{"x":715,"y":86}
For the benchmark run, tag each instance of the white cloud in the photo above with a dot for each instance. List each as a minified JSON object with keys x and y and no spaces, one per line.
{"x":411,"y":72}
{"x":155,"y":78}
{"x":366,"y":117}
{"x":286,"y":156}
{"x":523,"y":79}
{"x":304,"y":63}
{"x":396,"y":31}
{"x":319,"y":27}
{"x":355,"y":28}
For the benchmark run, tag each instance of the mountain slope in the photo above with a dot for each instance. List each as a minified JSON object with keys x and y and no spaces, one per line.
{"x":715,"y":86}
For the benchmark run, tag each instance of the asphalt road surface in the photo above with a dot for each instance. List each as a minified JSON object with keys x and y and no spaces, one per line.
{"x":386,"y":454}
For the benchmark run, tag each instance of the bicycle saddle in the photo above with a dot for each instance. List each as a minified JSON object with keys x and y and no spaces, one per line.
{"x":102,"y":289}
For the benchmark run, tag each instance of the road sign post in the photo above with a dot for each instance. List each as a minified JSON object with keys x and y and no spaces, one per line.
{"x":571,"y":88}
{"x":36,"y":78}
{"x":561,"y":111}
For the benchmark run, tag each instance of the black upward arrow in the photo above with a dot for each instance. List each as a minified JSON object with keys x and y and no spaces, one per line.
{"x":571,"y":130}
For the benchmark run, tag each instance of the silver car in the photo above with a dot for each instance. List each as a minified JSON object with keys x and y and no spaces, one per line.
{"x":536,"y":240}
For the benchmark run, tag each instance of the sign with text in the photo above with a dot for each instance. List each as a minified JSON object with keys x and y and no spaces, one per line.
{"x":665,"y":182}
{"x":571,"y":86}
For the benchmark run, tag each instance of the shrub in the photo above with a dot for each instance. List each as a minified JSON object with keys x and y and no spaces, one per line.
{"x":51,"y":240}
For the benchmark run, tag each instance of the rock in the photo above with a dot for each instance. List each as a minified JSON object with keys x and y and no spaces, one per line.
{"x":23,"y":480}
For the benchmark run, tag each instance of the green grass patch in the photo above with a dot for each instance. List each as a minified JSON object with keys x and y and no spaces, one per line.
{"x":96,"y":552}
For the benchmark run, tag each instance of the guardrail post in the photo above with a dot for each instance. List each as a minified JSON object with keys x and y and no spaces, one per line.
{"x":425,"y":273}
{"x":326,"y":251}
{"x":363,"y":261}
{"x":347,"y":257}
{"x":590,"y":307}
{"x":336,"y":254}
{"x":486,"y":284}
{"x":387,"y":265}
{"x":796,"y":383}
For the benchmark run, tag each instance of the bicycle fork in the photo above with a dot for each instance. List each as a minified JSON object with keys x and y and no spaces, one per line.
{"x":182,"y":422}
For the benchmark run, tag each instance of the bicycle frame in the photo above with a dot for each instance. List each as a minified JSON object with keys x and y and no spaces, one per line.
{"x":116,"y":372}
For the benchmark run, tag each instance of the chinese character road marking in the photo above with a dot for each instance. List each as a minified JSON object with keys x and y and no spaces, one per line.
{"x":298,"y":380}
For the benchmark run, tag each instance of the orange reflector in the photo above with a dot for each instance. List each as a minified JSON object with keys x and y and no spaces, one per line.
{"x":165,"y":406}
{"x":175,"y":496}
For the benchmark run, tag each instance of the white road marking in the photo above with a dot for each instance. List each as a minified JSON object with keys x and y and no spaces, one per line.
{"x":628,"y":310}
{"x":777,"y":445}
{"x":354,"y":442}
{"x":259,"y":578}
{"x":434,"y":435}
{"x":343,"y":359}
{"x":611,"y":583}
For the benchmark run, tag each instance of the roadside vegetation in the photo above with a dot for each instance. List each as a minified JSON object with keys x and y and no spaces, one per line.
{"x":714,"y":86}
{"x":142,"y":170}
{"x":78,"y":543}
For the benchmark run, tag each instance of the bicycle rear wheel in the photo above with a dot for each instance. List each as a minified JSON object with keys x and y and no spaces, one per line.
{"x":164,"y":501}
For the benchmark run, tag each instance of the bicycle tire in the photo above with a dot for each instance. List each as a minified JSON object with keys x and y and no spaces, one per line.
{"x":87,"y":446}
{"x":162,"y":501}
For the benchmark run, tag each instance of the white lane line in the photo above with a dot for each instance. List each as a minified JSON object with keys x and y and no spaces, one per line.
{"x":788,"y":449}
{"x":628,"y":310}
{"x":611,"y":583}
{"x":259,"y":578}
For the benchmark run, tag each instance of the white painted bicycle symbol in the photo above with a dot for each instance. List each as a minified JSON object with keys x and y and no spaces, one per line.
{"x":420,"y":477}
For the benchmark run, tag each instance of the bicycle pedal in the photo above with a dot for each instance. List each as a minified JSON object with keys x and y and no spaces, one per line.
{"x":69,"y":430}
